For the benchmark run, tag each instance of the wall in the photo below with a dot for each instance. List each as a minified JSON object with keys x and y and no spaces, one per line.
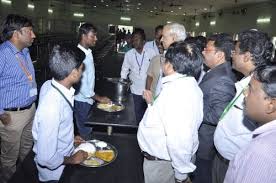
{"x":62,"y":19}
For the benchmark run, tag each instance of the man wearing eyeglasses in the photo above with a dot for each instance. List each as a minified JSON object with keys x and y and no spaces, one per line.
{"x":234,"y":130}
{"x":218,"y":87}
{"x":18,"y":92}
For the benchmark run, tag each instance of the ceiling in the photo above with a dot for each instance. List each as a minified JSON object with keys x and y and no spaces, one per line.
{"x":170,"y":7}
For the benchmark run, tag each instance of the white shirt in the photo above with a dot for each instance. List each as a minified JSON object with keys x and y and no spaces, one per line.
{"x":169,"y":128}
{"x":152,"y":45}
{"x":53,"y":130}
{"x":136,"y":65}
{"x":86,"y":90}
{"x":231,"y":134}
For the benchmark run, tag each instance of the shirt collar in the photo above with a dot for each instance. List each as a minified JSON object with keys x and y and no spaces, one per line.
{"x":271,"y":126}
{"x":172,"y":77}
{"x":14,"y":49}
{"x":69,"y":94}
{"x":86,"y":51}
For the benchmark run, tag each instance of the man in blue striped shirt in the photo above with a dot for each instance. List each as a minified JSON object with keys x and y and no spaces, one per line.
{"x":18,"y":92}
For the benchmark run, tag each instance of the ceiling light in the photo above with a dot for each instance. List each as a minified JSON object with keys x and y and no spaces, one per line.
{"x":95,"y":6}
{"x":127,"y":5}
{"x":263,"y":20}
{"x":78,"y":15}
{"x":102,"y":1}
{"x":197,"y":24}
{"x":128,"y":9}
{"x":31,"y":6}
{"x":151,"y":11}
{"x":126,"y":1}
{"x":6,"y":1}
{"x":168,"y":22}
{"x":138,"y":8}
{"x":212,"y":23}
{"x":125,"y":18}
{"x":50,"y":10}
{"x":184,"y":14}
{"x":180,"y":8}
{"x":106,"y":5}
{"x":139,"y":4}
{"x":171,"y":11}
{"x":205,"y":9}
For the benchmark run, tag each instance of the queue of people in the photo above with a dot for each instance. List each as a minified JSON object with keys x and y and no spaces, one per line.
{"x":193,"y":127}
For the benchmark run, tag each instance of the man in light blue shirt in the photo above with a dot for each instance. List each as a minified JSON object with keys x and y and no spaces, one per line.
{"x":53,"y":127}
{"x":85,"y":94}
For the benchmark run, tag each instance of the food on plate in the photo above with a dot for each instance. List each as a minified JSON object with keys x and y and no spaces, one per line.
{"x":101,"y":144}
{"x":110,"y":107}
{"x":87,"y":147}
{"x":106,"y":155}
{"x":93,"y":162}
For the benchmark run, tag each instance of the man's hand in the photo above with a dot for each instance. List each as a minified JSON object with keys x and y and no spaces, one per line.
{"x":78,"y":140}
{"x":76,"y":158}
{"x":147,"y":95}
{"x":5,"y":118}
{"x":104,"y":100}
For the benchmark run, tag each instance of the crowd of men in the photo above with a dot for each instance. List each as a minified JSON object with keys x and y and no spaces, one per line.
{"x":197,"y":122}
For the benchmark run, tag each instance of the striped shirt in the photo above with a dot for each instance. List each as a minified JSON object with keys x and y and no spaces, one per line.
{"x":15,"y":86}
{"x":257,"y":162}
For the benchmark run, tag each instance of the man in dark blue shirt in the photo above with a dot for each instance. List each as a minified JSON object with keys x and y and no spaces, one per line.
{"x":18,"y":92}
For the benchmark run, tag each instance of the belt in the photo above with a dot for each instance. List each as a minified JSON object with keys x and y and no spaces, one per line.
{"x":224,"y":160}
{"x":150,"y":157}
{"x":18,"y":108}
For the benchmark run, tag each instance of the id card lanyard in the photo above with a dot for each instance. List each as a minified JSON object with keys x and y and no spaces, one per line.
{"x":63,"y":96}
{"x":140,"y":64}
{"x":25,"y":70}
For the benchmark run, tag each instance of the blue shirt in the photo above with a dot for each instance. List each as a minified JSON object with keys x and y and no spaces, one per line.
{"x":15,"y":86}
{"x":86,"y":90}
{"x":53,"y":130}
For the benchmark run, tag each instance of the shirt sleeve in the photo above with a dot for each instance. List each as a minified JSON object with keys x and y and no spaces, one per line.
{"x":126,"y":66}
{"x":2,"y":64}
{"x":152,"y":71}
{"x":48,"y":129}
{"x":220,"y":96}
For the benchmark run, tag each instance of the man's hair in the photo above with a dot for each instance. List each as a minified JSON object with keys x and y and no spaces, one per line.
{"x":224,"y":43}
{"x":200,"y":41}
{"x":85,"y":29}
{"x":159,"y":27}
{"x":64,"y":59}
{"x":177,"y":30}
{"x":12,"y":23}
{"x":258,"y":44}
{"x":267,"y":76}
{"x":139,"y":31}
{"x":185,"y":58}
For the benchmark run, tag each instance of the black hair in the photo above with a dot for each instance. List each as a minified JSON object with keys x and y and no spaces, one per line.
{"x":267,"y":76}
{"x":64,"y":59}
{"x":140,"y":32}
{"x":185,"y":58}
{"x":223,"y":42}
{"x":258,"y":44}
{"x":200,"y":41}
{"x":12,"y":23}
{"x":85,"y":29}
{"x":159,"y":27}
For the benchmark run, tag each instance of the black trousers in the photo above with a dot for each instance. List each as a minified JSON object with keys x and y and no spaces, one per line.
{"x":203,"y":171}
{"x":220,"y":166}
{"x":140,"y":107}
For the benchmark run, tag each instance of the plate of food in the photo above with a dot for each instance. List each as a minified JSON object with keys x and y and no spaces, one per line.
{"x":111,"y":107}
{"x":103,"y":154}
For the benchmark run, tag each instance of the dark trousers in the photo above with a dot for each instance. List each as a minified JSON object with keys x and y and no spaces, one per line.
{"x":220,"y":166}
{"x":140,"y":106}
{"x":203,"y":171}
{"x":81,"y":111}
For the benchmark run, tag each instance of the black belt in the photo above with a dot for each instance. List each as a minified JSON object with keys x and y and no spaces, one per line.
{"x":150,"y":157}
{"x":224,"y":160}
{"x":18,"y":108}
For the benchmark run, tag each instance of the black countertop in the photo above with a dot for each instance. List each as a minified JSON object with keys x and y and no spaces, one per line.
{"x":124,"y":118}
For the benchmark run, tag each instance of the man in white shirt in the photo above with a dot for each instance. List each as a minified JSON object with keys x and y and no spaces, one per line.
{"x":156,"y":44}
{"x":234,"y":131}
{"x":168,"y":132}
{"x":53,"y":127}
{"x":85,"y":94}
{"x":171,"y":33}
{"x":136,"y":63}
